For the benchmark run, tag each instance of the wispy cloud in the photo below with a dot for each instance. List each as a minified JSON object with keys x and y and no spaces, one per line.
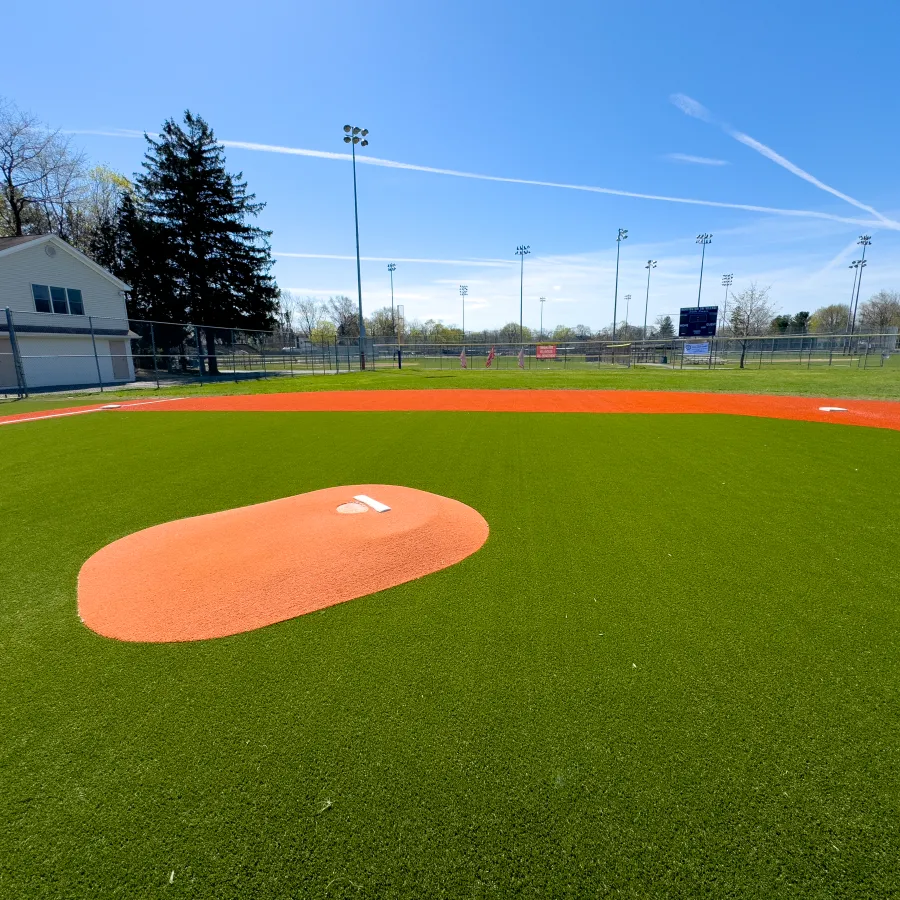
{"x":691,"y":107}
{"x":699,"y":160}
{"x":492,"y":263}
{"x":393,"y":164}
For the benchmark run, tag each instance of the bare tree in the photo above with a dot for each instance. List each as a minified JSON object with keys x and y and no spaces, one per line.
{"x":342,"y":311}
{"x":880,"y":312}
{"x":309,"y":315}
{"x":39,"y":172}
{"x":751,"y":313}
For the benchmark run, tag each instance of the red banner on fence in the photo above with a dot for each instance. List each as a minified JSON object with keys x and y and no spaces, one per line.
{"x":546,"y":351}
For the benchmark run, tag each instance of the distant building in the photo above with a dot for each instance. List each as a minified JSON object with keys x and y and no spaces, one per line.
{"x":69,"y":319}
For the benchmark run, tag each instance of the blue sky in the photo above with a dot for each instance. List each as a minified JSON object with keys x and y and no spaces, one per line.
{"x":585,"y":94}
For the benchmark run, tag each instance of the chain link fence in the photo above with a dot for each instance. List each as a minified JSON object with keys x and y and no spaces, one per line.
{"x":770,"y":351}
{"x":45,"y":353}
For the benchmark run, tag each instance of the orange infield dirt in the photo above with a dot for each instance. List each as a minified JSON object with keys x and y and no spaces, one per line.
{"x":871,"y":413}
{"x":237,"y":570}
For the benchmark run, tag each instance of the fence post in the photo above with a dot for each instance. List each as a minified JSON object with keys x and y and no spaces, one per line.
{"x":262,"y":353}
{"x":153,"y":345}
{"x":199,"y":354}
{"x":21,"y":383}
{"x":96,"y":358}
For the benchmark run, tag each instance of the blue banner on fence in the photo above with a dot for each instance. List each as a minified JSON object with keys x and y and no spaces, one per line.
{"x":696,"y":349}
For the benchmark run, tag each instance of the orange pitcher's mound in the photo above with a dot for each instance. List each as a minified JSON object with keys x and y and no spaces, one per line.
{"x":241,"y":569}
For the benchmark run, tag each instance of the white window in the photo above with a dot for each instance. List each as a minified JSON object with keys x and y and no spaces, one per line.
{"x":41,"y":294}
{"x":76,"y":304}
{"x":59,"y":300}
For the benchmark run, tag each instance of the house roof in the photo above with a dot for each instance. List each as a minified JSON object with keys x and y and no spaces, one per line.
{"x":14,"y":241}
{"x":14,"y":244}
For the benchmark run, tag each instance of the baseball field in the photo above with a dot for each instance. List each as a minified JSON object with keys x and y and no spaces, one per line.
{"x":671,"y":670}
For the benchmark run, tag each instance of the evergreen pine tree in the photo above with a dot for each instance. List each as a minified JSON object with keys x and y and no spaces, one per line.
{"x":191,"y":254}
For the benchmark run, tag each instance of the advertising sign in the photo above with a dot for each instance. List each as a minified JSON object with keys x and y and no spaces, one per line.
{"x":546,"y":351}
{"x":696,"y":349}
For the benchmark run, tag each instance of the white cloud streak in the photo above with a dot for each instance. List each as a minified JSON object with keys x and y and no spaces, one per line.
{"x":393,"y":164}
{"x":699,"y":160}
{"x":492,"y":263}
{"x":692,"y":108}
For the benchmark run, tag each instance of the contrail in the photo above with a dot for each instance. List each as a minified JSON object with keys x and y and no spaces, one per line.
{"x":492,"y":263}
{"x":393,"y":164}
{"x":692,"y":108}
{"x":777,"y":158}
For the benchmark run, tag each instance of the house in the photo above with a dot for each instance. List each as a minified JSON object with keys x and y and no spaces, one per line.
{"x":63,"y":321}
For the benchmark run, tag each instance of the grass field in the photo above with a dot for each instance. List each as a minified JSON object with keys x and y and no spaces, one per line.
{"x":874,"y":383}
{"x":670,"y":672}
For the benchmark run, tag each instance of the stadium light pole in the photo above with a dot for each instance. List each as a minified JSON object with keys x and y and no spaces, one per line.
{"x":354,"y":136}
{"x":859,"y":265}
{"x":464,"y":292}
{"x":627,"y":305}
{"x":864,"y":241}
{"x":622,"y":236}
{"x":854,"y":265}
{"x":543,"y":301}
{"x":651,"y":264}
{"x":726,"y":283}
{"x":392,"y":267}
{"x":703,"y":239}
{"x":522,"y":250}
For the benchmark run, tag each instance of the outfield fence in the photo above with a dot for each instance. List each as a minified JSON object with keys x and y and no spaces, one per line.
{"x":46,"y":352}
{"x":783,"y":351}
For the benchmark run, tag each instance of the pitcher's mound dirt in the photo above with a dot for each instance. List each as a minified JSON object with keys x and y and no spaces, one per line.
{"x":241,"y":569}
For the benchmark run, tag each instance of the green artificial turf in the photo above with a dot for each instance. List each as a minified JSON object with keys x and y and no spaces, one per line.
{"x":671,"y":671}
{"x":818,"y":381}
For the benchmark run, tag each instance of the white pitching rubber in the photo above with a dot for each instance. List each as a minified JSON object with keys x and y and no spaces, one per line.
{"x":832,"y":409}
{"x":377,"y":505}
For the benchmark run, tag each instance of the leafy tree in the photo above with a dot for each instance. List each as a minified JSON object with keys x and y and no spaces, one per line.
{"x":751,"y":314}
{"x":510,"y":333}
{"x":381,"y":322}
{"x":800,"y":322}
{"x":880,"y":312}
{"x":830,"y":319}
{"x":563,"y":333}
{"x":664,"y":327}
{"x":190,"y":231}
{"x":780,"y":324}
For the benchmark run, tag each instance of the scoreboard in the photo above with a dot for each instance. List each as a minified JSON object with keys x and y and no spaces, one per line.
{"x":698,"y":321}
